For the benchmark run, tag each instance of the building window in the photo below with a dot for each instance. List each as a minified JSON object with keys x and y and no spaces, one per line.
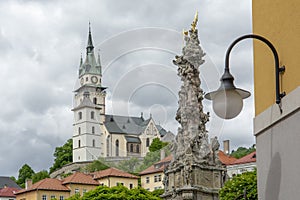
{"x":61,"y":197}
{"x":157,"y":178}
{"x":93,"y":129}
{"x":92,"y":115}
{"x":131,"y":147}
{"x":95,"y":100}
{"x":83,"y":191}
{"x":117,"y":147}
{"x":130,"y":186}
{"x":79,"y":130}
{"x":44,"y":197}
{"x":52,"y":197}
{"x":147,"y":142}
{"x":119,"y":183}
{"x":138,"y":148}
{"x":79,"y":144}
{"x":87,"y":79}
{"x":147,"y":179}
{"x":76,"y":191}
{"x":79,"y":115}
{"x":93,"y":143}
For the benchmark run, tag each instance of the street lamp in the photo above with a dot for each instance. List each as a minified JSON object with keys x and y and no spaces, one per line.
{"x":228,"y":100}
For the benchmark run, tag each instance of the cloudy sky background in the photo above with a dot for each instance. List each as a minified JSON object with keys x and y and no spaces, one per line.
{"x":40,"y":47}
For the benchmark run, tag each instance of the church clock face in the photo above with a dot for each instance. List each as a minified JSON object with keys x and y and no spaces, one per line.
{"x":94,"y":79}
{"x":81,"y":81}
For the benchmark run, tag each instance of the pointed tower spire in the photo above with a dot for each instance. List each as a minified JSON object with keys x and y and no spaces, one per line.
{"x":81,"y":61}
{"x":99,"y":62}
{"x":90,"y":46}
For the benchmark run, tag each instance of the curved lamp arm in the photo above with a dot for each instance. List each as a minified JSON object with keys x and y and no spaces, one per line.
{"x":227,"y":100}
{"x":278,"y":69}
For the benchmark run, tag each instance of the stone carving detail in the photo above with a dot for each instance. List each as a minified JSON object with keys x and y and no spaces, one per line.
{"x":193,"y":155}
{"x":192,"y":136}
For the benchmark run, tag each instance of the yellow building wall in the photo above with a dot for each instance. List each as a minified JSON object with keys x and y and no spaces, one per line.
{"x":152,"y":184}
{"x":37,"y":195}
{"x":278,"y":21}
{"x":112,"y":181}
{"x":81,"y":188}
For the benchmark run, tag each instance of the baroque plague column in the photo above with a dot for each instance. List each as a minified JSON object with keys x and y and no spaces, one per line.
{"x":195,"y":171}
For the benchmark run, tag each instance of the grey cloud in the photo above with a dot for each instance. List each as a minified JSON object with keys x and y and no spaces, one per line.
{"x":42,"y":42}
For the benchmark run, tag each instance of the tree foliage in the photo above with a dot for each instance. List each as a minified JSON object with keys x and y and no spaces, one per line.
{"x":63,"y":155}
{"x":130,"y":165}
{"x":157,"y":144}
{"x":96,"y":165}
{"x":40,"y":176}
{"x":235,"y":187}
{"x":117,"y":193}
{"x":149,"y":159}
{"x":242,"y":151}
{"x":25,"y":172}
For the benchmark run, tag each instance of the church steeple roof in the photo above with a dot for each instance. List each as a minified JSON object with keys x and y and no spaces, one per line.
{"x":90,"y":47}
{"x":90,"y":65}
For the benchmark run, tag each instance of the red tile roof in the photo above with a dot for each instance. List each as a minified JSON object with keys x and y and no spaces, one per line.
{"x":157,"y":167}
{"x":46,"y":184}
{"x":112,"y":172}
{"x":80,"y":178}
{"x":226,"y":159}
{"x":246,"y":159}
{"x":8,"y":192}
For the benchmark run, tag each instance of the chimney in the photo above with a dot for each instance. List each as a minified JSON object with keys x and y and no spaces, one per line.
{"x":162,"y":154}
{"x":28,"y":183}
{"x":226,"y":147}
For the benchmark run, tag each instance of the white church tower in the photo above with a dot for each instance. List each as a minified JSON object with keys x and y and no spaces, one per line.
{"x":89,"y":109}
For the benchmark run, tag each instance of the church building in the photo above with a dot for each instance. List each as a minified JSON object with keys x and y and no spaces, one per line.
{"x":97,"y":134}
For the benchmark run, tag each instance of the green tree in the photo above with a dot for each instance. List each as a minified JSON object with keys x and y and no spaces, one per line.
{"x":149,"y":159}
{"x":63,"y":155}
{"x":129,"y":165}
{"x":235,"y":187}
{"x":243,"y":151}
{"x":117,"y":193}
{"x":96,"y":165}
{"x":24,"y":173}
{"x":157,"y":144}
{"x":40,"y":176}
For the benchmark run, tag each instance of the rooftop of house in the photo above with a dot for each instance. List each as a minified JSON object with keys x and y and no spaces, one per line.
{"x":246,"y":159}
{"x":226,"y":159}
{"x":80,"y":178}
{"x":46,"y":184}
{"x":112,"y":172}
{"x":8,"y":192}
{"x":8,"y":182}
{"x":157,"y":167}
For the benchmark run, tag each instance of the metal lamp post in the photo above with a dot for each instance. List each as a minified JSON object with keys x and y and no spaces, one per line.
{"x":228,"y":100}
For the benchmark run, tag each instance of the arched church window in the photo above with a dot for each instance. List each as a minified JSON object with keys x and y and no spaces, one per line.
{"x":107,"y":145}
{"x":79,"y":144}
{"x":92,"y":115}
{"x":117,"y":147}
{"x":138,"y":148}
{"x":79,"y":115}
{"x":131,"y":147}
{"x":147,"y":142}
{"x":93,"y":143}
{"x":79,"y":131}
{"x":93,"y":129}
{"x":95,"y":100}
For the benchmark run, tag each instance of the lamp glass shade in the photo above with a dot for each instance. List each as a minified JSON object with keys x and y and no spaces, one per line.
{"x":227,"y":104}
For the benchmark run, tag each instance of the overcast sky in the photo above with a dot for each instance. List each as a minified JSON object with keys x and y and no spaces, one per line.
{"x":40,"y":47}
